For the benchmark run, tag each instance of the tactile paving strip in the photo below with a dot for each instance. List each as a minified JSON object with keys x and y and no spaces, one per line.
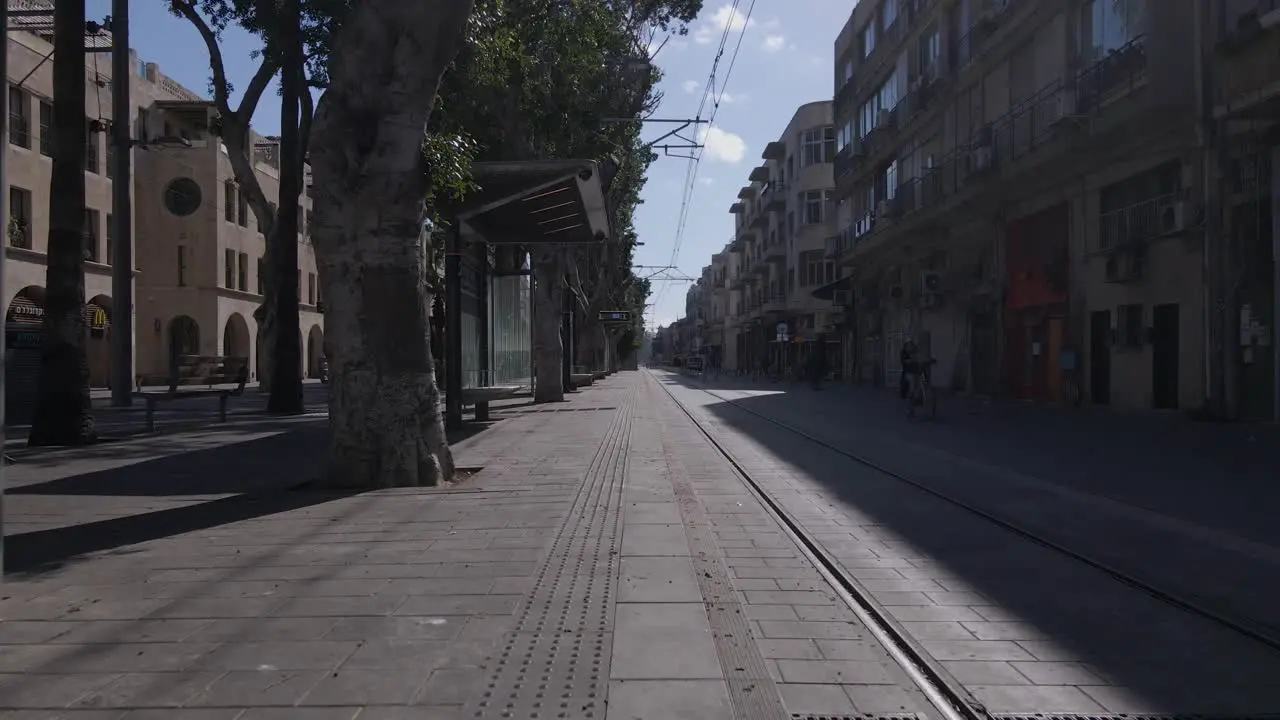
{"x":1129,"y":716}
{"x":893,"y":716}
{"x":555,"y":664}
{"x":752,"y":690}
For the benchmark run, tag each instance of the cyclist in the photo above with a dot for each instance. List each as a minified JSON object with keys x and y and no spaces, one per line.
{"x":910,"y":368}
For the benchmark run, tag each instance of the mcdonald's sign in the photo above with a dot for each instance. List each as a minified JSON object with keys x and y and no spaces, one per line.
{"x":98,"y":319}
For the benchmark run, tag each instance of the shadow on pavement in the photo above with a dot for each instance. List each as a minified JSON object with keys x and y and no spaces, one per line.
{"x":1058,"y":607}
{"x":262,"y":476}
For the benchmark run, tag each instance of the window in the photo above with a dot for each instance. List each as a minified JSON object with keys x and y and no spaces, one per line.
{"x":812,"y":207}
{"x":930,"y":51}
{"x":91,"y":218}
{"x":90,"y":147}
{"x":891,"y":180}
{"x":182,"y":196}
{"x":19,"y":218}
{"x":1112,"y":25}
{"x":829,"y":144}
{"x":848,"y":71}
{"x":229,"y":268}
{"x":19,"y":118}
{"x":242,"y":210}
{"x":812,"y":270}
{"x":1130,"y":330}
{"x":811,"y":147}
{"x":229,"y":200}
{"x":311,"y":288}
{"x":262,"y":278}
{"x":242,"y":274}
{"x":869,"y":38}
{"x":110,"y":256}
{"x":888,"y":14}
{"x":46,"y":128}
{"x":182,"y":266}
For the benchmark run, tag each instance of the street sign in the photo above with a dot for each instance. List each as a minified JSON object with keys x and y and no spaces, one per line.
{"x":782,"y":328}
{"x":615,"y":316}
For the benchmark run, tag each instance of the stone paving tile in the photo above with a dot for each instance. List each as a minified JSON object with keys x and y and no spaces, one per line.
{"x":983,"y":602}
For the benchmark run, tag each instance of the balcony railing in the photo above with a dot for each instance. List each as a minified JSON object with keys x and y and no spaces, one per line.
{"x":1142,"y":221}
{"x":969,"y":46}
{"x":845,"y":159}
{"x":1117,"y":73}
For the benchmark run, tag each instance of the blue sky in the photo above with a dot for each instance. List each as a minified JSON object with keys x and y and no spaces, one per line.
{"x":784,"y":62}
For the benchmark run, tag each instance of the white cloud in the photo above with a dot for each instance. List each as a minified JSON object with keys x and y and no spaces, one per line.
{"x":707,"y":181}
{"x":691,"y":86}
{"x":721,"y":146}
{"x":727,"y":17}
{"x":774,"y":43}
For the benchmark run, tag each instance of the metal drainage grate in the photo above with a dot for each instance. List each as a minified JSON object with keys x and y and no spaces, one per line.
{"x":865,"y":716}
{"x":1130,"y":716}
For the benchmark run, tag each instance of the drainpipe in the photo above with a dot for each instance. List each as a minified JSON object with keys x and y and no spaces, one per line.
{"x":1215,"y":344}
{"x":1275,"y":283}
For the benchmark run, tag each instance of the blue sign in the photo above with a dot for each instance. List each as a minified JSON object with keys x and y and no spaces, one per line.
{"x":623,"y":316}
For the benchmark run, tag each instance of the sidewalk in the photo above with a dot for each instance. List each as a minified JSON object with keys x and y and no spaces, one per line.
{"x":603,"y":563}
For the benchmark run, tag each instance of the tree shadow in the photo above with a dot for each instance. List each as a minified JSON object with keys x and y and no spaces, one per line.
{"x":259,"y":477}
{"x":1039,"y":604}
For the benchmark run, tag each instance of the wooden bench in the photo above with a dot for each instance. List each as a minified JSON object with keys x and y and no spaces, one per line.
{"x":193,"y":376}
{"x":482,"y":396}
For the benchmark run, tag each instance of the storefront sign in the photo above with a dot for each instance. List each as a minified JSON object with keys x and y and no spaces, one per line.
{"x":615,"y":316}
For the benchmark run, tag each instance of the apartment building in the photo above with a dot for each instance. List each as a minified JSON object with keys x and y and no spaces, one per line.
{"x":1244,"y":40}
{"x":1016,"y":188}
{"x":28,"y":148}
{"x":191,"y":294}
{"x":782,"y":219}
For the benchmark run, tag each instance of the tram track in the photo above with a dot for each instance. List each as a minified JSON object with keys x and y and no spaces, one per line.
{"x":948,"y":696}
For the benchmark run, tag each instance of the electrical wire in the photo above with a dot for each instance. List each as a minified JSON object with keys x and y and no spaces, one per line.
{"x":709,"y":93}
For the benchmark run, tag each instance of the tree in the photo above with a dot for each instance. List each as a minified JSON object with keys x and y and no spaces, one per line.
{"x":538,"y":79}
{"x":63,"y":413}
{"x":286,"y":350}
{"x":385,"y":67}
{"x":210,"y":18}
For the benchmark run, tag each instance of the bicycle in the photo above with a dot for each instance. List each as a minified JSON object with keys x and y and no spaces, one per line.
{"x":922,"y":394}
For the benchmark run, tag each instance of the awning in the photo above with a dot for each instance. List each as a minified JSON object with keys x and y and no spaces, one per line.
{"x":538,"y":201}
{"x":827,"y":292}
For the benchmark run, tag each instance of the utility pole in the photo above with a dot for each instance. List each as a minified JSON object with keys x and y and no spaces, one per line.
{"x":4,"y":203}
{"x":121,"y":209}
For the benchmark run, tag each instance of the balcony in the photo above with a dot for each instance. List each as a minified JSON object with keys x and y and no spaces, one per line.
{"x":759,"y":174}
{"x":759,"y":219}
{"x":774,"y":302}
{"x":1158,"y":217}
{"x":776,"y":150}
{"x":747,"y":192}
{"x":969,"y":47}
{"x":775,"y":198}
{"x":760,"y":268}
{"x":776,"y":253}
{"x":1246,"y":78}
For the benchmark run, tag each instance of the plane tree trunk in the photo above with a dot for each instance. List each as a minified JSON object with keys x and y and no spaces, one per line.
{"x":369,"y":182}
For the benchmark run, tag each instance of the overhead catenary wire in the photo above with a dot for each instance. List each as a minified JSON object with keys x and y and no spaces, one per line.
{"x":716,"y":97}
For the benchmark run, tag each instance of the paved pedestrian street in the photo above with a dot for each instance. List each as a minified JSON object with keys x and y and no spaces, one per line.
{"x":606,"y":560}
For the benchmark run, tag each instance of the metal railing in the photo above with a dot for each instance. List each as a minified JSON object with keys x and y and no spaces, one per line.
{"x":1146,"y":220}
{"x":845,"y":159}
{"x":1117,"y":73}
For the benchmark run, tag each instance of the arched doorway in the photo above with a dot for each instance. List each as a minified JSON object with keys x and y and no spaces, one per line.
{"x":235,"y":337}
{"x":97,"y":319}
{"x":23,"y":323}
{"x":184,"y":337}
{"x":315,"y":351}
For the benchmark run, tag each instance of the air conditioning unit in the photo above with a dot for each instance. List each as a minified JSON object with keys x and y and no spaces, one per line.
{"x":1173,"y":218}
{"x":840,"y":298}
{"x":930,"y":282}
{"x":981,"y":158}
